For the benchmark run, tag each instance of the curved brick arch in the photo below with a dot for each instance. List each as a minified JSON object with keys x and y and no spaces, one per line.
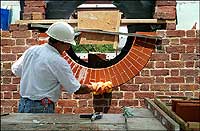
{"x":119,"y":73}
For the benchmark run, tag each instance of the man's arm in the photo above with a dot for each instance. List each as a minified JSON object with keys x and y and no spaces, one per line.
{"x":17,"y":66}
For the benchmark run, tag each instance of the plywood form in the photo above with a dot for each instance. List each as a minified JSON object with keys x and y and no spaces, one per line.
{"x":108,"y":20}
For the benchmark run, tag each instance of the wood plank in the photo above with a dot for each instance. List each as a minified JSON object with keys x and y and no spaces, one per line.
{"x":172,"y":114}
{"x":161,"y":115}
{"x":75,"y":21}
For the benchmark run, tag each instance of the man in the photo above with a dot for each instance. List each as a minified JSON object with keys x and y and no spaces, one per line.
{"x":43,"y":71}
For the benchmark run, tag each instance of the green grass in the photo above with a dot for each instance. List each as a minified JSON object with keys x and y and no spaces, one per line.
{"x":103,"y":48}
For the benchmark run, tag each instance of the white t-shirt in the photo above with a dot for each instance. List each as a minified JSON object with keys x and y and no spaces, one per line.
{"x":43,"y":71}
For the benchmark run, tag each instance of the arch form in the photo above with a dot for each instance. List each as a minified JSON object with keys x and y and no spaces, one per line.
{"x":120,"y":72}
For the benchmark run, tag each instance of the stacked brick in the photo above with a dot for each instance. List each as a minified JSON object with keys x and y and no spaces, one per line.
{"x":173,"y":70}
{"x":34,"y":10}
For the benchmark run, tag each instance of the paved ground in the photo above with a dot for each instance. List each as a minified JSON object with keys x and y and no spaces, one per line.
{"x":143,"y":119}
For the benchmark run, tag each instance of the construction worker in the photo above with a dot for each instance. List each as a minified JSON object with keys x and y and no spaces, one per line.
{"x":43,"y":71}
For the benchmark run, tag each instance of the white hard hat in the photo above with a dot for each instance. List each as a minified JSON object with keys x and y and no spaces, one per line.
{"x":62,"y":31}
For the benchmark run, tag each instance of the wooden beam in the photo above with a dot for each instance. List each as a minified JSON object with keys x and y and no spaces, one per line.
{"x":75,"y":21}
{"x":171,"y":114}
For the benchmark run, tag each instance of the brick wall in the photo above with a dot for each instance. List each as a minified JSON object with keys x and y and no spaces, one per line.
{"x":170,"y":71}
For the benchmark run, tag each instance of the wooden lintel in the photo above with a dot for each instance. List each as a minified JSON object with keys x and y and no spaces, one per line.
{"x":75,"y":21}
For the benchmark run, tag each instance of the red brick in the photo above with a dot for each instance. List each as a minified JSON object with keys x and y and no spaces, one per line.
{"x":190,"y":33}
{"x":141,"y":80}
{"x":82,"y":103}
{"x":175,"y":33}
{"x":159,"y":57}
{"x":16,"y":95}
{"x":189,"y":94}
{"x":145,"y":73}
{"x":165,"y":2}
{"x":117,"y":95}
{"x":115,"y":110}
{"x":189,"y":87}
{"x":16,"y":80}
{"x":159,"y":64}
{"x":68,"y":110}
{"x":160,"y":72}
{"x":174,"y":80}
{"x":23,"y":27}
{"x":67,"y":103}
{"x":59,"y":110}
{"x":189,"y":79}
{"x":34,"y":9}
{"x":37,"y":16}
{"x":114,"y":102}
{"x":174,"y":64}
{"x":197,"y":79}
{"x":5,"y":34}
{"x":165,"y":12}
{"x":189,"y":72}
{"x":83,"y":110}
{"x":159,"y":87}
{"x":8,"y":57}
{"x":165,"y":41}
{"x":5,"y":50}
{"x":7,"y":109}
{"x":9,"y":103}
{"x":82,"y":96}
{"x":13,"y":27}
{"x":21,"y":34}
{"x":128,"y":103}
{"x":159,"y":79}
{"x":197,"y":64}
{"x":7,"y":42}
{"x":35,"y":3}
{"x":6,"y":65}
{"x":189,"y":64}
{"x":27,"y":16}
{"x":190,"y":49}
{"x":6,"y":73}
{"x":174,"y":93}
{"x":174,"y":72}
{"x":175,"y":41}
{"x":7,"y":95}
{"x":149,"y":65}
{"x":175,"y":88}
{"x":6,"y":80}
{"x":19,"y":49}
{"x":175,"y":56}
{"x":190,"y":41}
{"x":128,"y":95}
{"x":197,"y":94}
{"x":20,"y":41}
{"x":32,"y":41}
{"x":171,"y":26}
{"x":142,"y":95}
{"x":128,"y":87}
{"x":144,"y":87}
{"x":161,"y":33}
{"x":189,"y":57}
{"x":177,"y":49}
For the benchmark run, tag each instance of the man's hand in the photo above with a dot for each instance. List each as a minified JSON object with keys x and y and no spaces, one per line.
{"x":85,"y":89}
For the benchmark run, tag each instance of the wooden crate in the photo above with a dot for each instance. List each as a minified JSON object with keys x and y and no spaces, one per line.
{"x":99,"y":19}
